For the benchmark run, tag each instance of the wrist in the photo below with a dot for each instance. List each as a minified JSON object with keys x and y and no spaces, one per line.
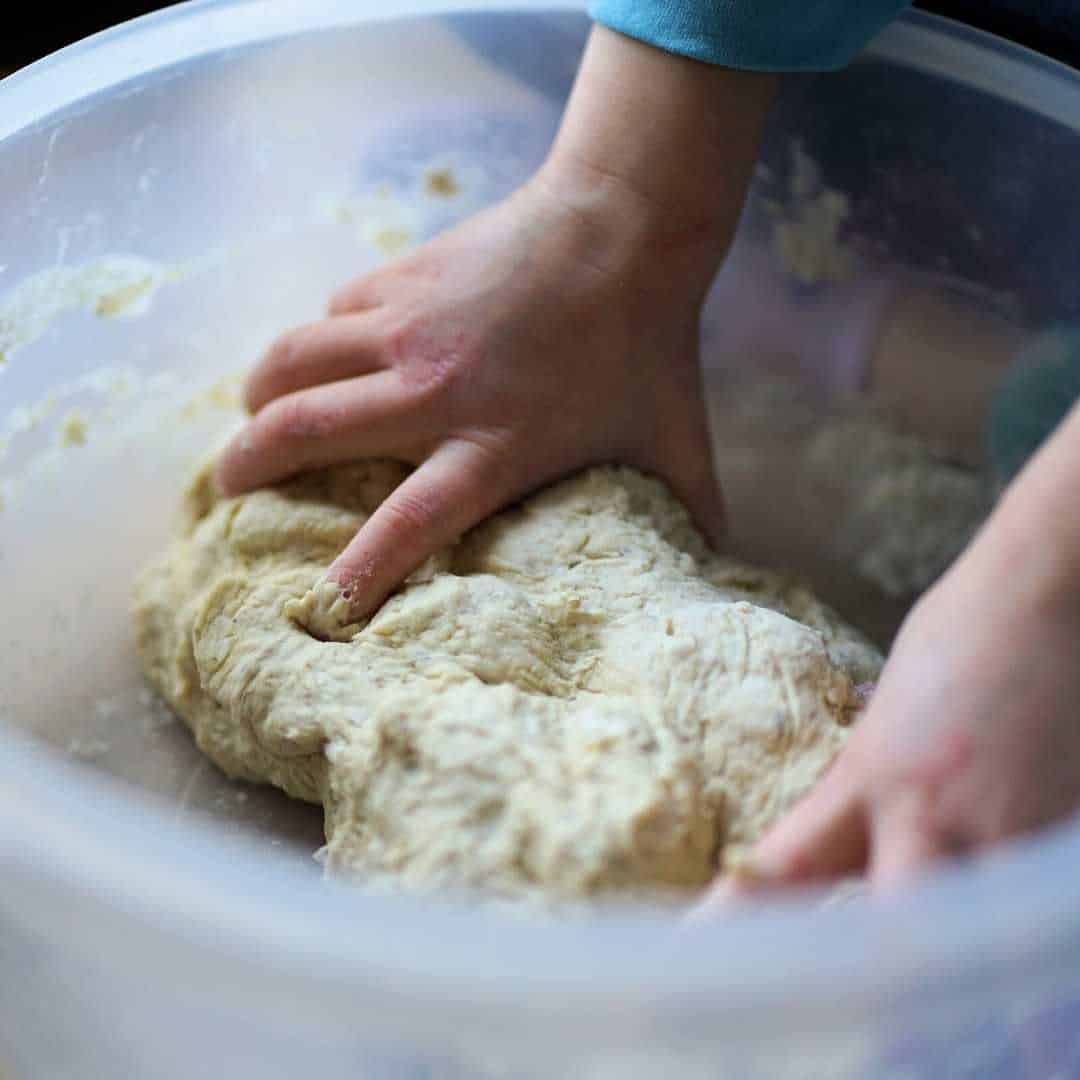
{"x":659,"y":149}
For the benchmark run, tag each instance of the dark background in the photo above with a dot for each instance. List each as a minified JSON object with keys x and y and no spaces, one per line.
{"x":1050,"y":26}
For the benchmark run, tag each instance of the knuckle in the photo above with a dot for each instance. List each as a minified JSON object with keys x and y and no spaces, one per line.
{"x":492,"y":472}
{"x":354,"y":294}
{"x":496,"y":456}
{"x":294,"y":420}
{"x":429,"y":361}
{"x":348,"y":299}
{"x":408,"y":513}
{"x":339,"y":302}
{"x":297,"y":343}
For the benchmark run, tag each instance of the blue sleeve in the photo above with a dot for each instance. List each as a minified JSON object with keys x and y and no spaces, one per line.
{"x":756,"y":35}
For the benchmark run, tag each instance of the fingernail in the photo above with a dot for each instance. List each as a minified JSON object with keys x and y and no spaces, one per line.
{"x":353,"y":582}
{"x":741,"y":875}
{"x":720,"y":898}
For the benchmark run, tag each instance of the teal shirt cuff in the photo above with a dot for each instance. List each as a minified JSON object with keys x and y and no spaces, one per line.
{"x":753,"y":35}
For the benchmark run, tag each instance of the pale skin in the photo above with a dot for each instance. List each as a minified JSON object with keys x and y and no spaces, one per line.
{"x":558,"y":330}
{"x":972,"y":735}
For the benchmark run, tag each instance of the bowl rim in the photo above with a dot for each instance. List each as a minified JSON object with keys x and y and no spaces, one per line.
{"x":142,"y":46}
{"x":86,"y":857}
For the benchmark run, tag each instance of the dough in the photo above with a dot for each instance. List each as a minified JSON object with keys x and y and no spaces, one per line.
{"x":909,"y":513}
{"x":577,"y":700}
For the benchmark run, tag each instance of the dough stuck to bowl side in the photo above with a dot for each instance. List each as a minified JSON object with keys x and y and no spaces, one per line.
{"x":579,"y":701}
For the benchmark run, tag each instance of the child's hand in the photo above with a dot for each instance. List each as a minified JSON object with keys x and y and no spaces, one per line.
{"x":554,"y":331}
{"x":517,"y":348}
{"x":973,"y":734}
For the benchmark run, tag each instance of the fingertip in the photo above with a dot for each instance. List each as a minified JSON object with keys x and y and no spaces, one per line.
{"x":276,"y":357}
{"x":324,"y":612}
{"x":251,"y":399}
{"x":353,"y":297}
{"x":357,"y":581}
{"x":223,"y":483}
{"x":268,"y":379}
{"x":228,"y":475}
{"x":428,"y":512}
{"x":743,"y":876}
{"x":253,"y":395}
{"x":721,"y":899}
{"x":824,"y":836}
{"x":337,"y":305}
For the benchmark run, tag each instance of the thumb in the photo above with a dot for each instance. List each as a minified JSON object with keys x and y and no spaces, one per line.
{"x":686,"y":464}
{"x":822,"y":837}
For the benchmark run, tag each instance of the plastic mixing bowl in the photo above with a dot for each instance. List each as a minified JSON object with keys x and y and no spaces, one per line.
{"x":177,"y":190}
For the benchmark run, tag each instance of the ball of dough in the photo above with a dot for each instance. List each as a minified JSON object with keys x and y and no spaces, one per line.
{"x":577,"y":700}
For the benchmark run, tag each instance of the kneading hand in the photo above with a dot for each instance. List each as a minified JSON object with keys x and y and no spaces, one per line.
{"x":973,"y":733}
{"x":502,"y":355}
{"x":554,"y":331}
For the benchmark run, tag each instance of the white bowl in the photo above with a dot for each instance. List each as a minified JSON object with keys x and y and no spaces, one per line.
{"x":175,"y":191}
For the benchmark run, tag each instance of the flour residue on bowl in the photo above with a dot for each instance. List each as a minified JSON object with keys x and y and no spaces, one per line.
{"x":101,"y":414}
{"x":441,"y":183}
{"x":113,"y":286}
{"x":389,"y":219}
{"x":74,"y":429}
{"x":382,"y":221}
{"x":808,"y":224}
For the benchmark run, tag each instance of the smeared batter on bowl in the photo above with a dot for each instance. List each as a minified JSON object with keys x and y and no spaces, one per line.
{"x":579,"y":698}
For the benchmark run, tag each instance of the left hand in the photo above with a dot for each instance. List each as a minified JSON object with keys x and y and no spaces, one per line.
{"x":972,"y":736}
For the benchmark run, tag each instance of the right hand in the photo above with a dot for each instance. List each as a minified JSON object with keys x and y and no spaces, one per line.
{"x":554,"y":331}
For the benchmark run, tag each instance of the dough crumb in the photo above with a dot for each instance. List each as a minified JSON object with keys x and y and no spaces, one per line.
{"x":441,"y":183}
{"x":124,"y":299}
{"x":74,"y":429}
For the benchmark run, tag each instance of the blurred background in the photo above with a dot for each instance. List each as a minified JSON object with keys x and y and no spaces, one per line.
{"x":1050,"y":26}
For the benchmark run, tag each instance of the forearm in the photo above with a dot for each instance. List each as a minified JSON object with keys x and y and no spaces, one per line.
{"x":659,"y":149}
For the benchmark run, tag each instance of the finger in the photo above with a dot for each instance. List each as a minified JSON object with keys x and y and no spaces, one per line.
{"x":372,"y":416}
{"x":457,"y":487}
{"x":320,"y":352}
{"x":360,"y":294}
{"x":906,"y":841}
{"x":822,"y":837}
